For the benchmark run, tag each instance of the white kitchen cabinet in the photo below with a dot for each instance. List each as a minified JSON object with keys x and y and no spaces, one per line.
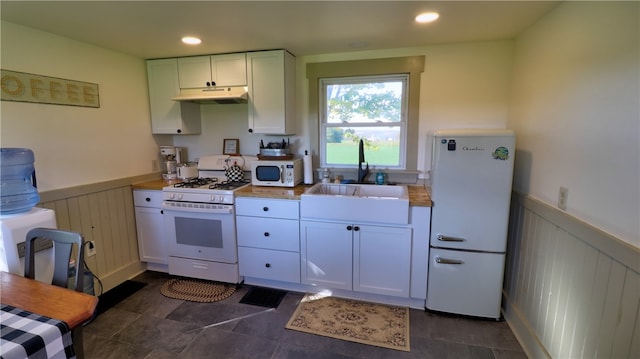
{"x":268,"y":238}
{"x":214,"y":70}
{"x":152,"y":246}
{"x":168,"y":116}
{"x":272,"y":97}
{"x":326,"y":254}
{"x":362,"y":258}
{"x":382,"y":260}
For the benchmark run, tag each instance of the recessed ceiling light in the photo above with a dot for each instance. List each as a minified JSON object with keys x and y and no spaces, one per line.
{"x":190,"y":40}
{"x":427,"y":17}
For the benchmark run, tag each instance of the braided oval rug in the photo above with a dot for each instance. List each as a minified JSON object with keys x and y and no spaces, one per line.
{"x":195,"y":290}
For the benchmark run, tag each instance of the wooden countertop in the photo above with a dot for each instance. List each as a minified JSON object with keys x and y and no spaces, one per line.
{"x":418,"y":195}
{"x":154,"y":185}
{"x":71,"y":307}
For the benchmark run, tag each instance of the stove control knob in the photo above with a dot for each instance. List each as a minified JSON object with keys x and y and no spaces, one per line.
{"x":180,"y":196}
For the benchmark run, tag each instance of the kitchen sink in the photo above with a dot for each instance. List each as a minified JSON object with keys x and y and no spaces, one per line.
{"x":356,"y":203}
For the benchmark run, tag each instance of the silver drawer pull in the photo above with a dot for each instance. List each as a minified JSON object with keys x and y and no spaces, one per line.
{"x":448,"y":261}
{"x":449,"y":239}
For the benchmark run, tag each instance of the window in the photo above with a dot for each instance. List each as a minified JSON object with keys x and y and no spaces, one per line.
{"x":371,"y":108}
{"x":381,"y":68}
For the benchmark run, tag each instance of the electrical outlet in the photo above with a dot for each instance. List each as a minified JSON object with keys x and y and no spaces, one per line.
{"x":155,"y":166}
{"x":90,"y":249}
{"x":563,"y":195}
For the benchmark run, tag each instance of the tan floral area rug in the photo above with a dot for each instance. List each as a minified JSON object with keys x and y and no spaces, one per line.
{"x":194,"y":290}
{"x":367,"y":323}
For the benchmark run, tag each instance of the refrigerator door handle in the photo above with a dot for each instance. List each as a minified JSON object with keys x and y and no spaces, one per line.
{"x":449,"y":239}
{"x":448,"y":261}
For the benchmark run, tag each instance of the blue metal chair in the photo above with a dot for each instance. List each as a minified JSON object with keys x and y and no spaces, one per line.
{"x":63,"y":242}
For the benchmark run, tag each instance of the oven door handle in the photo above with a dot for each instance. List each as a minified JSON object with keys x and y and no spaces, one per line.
{"x":183,"y":207}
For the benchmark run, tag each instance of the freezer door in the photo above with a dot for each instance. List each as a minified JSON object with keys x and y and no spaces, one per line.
{"x":471,"y":191}
{"x":467,"y":283}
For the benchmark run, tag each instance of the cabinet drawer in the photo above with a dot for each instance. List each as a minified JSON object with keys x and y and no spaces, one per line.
{"x":272,"y":208}
{"x":268,"y":233}
{"x":147,"y":198}
{"x":268,"y":264}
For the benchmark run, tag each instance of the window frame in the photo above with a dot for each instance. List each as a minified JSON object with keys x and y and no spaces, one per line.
{"x":402,"y":124}
{"x":412,"y":65}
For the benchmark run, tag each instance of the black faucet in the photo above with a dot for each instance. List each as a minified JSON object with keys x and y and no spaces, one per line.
{"x":362,"y":172}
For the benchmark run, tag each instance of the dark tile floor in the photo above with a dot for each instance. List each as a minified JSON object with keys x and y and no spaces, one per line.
{"x":148,"y":325}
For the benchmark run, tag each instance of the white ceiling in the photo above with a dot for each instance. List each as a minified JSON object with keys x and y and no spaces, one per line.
{"x":152,"y":29}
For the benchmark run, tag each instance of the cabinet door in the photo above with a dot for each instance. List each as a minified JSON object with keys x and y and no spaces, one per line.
{"x":168,"y":116}
{"x":382,"y":260}
{"x":229,"y":69}
{"x":151,"y":240}
{"x":194,"y":72}
{"x":326,"y":254}
{"x":271,"y":83}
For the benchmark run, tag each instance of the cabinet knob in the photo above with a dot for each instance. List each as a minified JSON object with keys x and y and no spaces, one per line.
{"x":251,"y":130}
{"x":161,"y":211}
{"x":265,"y":209}
{"x":356,"y":228}
{"x":268,"y":265}
{"x":148,"y":199}
{"x":179,"y":131}
{"x":266,"y":234}
{"x":349,"y":228}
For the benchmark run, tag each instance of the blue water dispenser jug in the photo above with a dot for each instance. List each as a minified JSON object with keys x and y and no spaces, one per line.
{"x":18,"y":191}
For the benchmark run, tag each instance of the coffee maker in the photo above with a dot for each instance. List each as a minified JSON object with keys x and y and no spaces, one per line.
{"x":171,"y":156}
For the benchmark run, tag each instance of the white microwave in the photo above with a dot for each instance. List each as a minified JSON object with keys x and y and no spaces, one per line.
{"x":276,"y":173}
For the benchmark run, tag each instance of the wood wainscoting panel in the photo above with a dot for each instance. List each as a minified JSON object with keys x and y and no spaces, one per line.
{"x":102,"y":213}
{"x":571,"y":290}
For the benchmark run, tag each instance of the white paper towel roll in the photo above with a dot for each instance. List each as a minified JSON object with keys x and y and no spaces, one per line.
{"x":308,"y":171}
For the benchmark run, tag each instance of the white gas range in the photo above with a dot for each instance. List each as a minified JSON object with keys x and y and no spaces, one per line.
{"x":199,"y":220}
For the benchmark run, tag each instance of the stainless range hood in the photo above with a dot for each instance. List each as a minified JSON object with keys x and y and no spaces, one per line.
{"x":220,"y":95}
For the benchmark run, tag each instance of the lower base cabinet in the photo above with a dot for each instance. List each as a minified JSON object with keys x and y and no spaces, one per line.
{"x":363,"y":258}
{"x":150,"y":226}
{"x":268,"y":243}
{"x":269,"y":264}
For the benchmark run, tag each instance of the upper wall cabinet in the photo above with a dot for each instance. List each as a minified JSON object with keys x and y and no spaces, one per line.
{"x":215,"y":70}
{"x":168,"y":116}
{"x":271,"y":86}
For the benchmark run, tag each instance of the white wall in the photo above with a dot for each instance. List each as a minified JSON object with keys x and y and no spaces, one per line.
{"x":463,"y":85}
{"x":575,"y":109}
{"x":78,"y":145}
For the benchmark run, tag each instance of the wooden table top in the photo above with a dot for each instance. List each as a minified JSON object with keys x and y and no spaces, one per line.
{"x":73,"y":308}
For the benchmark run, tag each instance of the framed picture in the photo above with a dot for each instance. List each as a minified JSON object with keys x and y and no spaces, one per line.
{"x":231,"y":146}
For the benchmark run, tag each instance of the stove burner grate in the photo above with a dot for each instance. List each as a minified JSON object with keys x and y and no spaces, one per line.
{"x":228,"y":184}
{"x":196,"y":182}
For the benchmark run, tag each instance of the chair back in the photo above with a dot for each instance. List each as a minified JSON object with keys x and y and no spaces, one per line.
{"x":63,"y":242}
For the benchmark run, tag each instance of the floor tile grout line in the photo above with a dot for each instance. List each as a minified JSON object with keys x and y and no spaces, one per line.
{"x":233,"y":320}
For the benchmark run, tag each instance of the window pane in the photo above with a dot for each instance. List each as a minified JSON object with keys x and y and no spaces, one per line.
{"x":365,"y":102}
{"x":381,"y":145}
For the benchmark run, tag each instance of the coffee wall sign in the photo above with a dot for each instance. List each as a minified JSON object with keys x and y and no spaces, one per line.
{"x":24,"y":87}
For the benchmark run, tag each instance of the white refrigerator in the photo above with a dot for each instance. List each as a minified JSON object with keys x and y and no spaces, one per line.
{"x":471,"y":178}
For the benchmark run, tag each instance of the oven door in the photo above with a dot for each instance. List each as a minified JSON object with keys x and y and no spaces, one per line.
{"x":202,"y":235}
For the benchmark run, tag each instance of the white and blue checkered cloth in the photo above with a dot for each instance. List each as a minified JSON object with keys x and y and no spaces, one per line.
{"x":28,"y":335}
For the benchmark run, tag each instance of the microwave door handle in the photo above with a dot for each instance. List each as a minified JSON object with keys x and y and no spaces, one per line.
{"x":281,"y":173}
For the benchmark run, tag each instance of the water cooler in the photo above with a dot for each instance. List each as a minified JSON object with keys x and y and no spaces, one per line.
{"x":18,"y":196}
